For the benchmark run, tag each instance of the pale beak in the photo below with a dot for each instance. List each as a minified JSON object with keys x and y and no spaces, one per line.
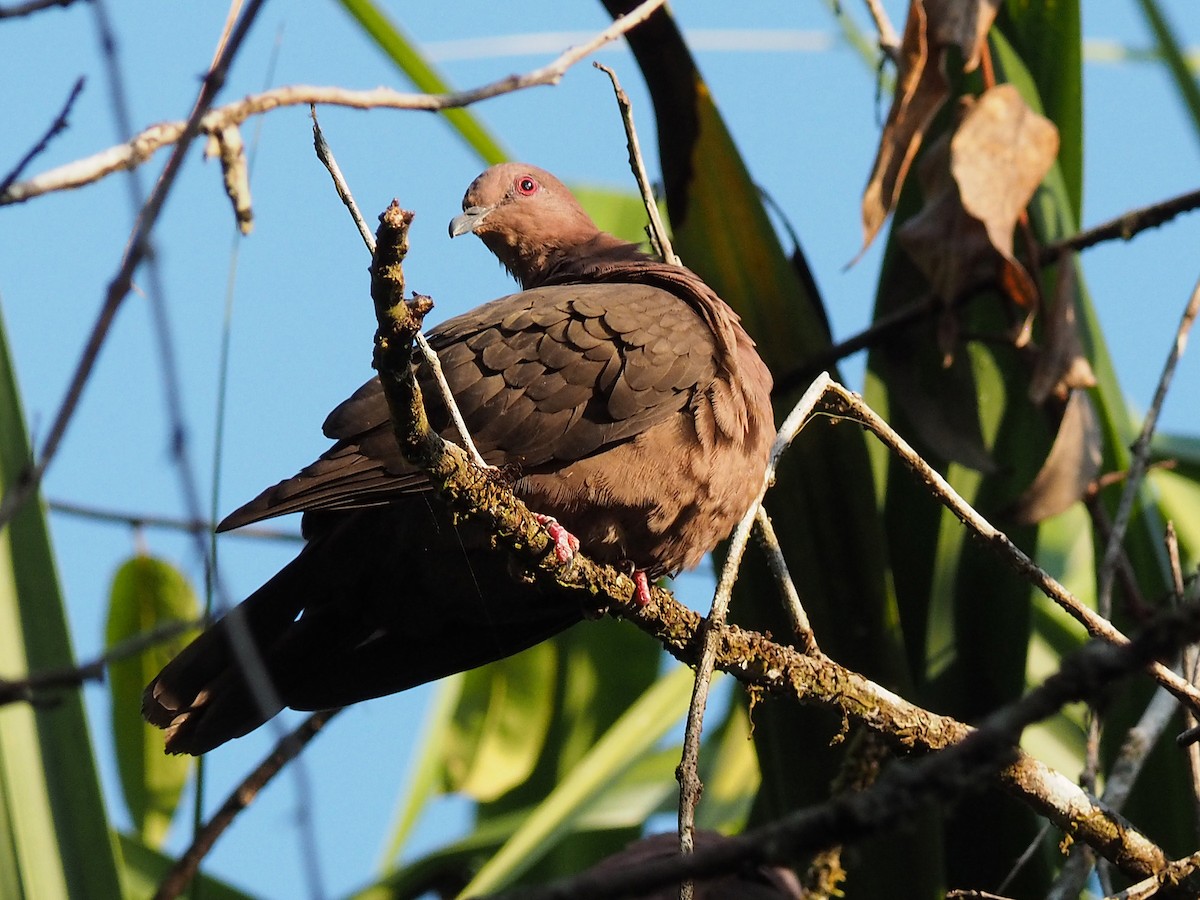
{"x":472,"y":217}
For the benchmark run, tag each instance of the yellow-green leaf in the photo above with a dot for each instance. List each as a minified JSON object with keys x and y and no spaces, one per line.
{"x":147,"y":593}
{"x":500,"y":724}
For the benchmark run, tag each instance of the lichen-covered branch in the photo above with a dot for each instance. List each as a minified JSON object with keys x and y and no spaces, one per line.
{"x":905,"y":788}
{"x":749,"y":656}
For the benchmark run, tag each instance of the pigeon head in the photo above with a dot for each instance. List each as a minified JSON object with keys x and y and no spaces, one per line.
{"x":526,"y":217}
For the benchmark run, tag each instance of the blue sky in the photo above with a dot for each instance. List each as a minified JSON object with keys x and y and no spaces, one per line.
{"x":802,"y":110}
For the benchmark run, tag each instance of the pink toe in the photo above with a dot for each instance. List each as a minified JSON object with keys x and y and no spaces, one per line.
{"x":641,"y":587}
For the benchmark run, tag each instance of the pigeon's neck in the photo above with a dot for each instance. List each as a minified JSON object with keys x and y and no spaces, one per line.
{"x":563,"y":259}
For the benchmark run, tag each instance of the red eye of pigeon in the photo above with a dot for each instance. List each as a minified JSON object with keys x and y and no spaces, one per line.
{"x":526,"y":185}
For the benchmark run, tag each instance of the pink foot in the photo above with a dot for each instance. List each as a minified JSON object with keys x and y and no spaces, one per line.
{"x":641,"y":590}
{"x":566,"y":545}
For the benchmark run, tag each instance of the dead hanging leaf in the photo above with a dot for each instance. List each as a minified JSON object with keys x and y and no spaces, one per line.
{"x":950,"y":247}
{"x":1073,"y":464}
{"x":999,"y":155}
{"x":933,"y":26}
{"x":1061,"y":365}
{"x":977,"y":182}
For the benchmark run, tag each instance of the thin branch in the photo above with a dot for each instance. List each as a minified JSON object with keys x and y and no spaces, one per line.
{"x":1141,"y":452}
{"x":1135,"y":603}
{"x":26,"y":485}
{"x":876,"y":332}
{"x":846,"y":404}
{"x":889,"y":41}
{"x":170,"y":523}
{"x":787,"y":588}
{"x":184,"y":870}
{"x":152,"y":139}
{"x":658,"y":231}
{"x":1023,"y":860}
{"x":1189,"y":666}
{"x":1136,"y":747}
{"x":29,"y":7}
{"x":30,"y":688}
{"x":1175,"y":873}
{"x":1124,"y":226}
{"x":750,"y":657}
{"x":712,"y":629}
{"x":906,"y":787}
{"x":325,"y":154}
{"x":58,"y":126}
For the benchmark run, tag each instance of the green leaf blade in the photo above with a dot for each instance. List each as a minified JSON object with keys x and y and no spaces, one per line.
{"x":146,"y":594}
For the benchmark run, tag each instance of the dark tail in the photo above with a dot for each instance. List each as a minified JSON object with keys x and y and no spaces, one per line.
{"x":380,"y":600}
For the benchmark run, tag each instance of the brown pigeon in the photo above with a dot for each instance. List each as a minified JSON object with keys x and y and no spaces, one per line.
{"x":622,"y":394}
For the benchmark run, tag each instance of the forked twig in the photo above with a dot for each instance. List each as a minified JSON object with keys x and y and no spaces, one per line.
{"x":848,"y":405}
{"x":56,"y":127}
{"x":325,"y":154}
{"x":658,"y":231}
{"x":1141,"y":452}
{"x":711,"y":628}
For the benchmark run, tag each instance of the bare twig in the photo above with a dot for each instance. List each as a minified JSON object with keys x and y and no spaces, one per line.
{"x":30,"y":689}
{"x":906,"y":787}
{"x":29,"y":7}
{"x":1138,"y":743}
{"x":1171,"y":876}
{"x":1141,"y":453}
{"x":185,"y":868}
{"x":1189,"y":665}
{"x":1023,"y":860}
{"x":1124,"y":226}
{"x":658,"y":231}
{"x":874,"y":334}
{"x":152,"y":139}
{"x":846,"y":404}
{"x":25,"y":486}
{"x":1135,"y":603}
{"x":56,"y":127}
{"x":889,"y":41}
{"x":325,"y":154}
{"x":787,"y":588}
{"x":171,"y":523}
{"x":712,"y":628}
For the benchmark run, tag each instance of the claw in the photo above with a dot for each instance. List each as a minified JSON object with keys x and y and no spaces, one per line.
{"x":566,"y":545}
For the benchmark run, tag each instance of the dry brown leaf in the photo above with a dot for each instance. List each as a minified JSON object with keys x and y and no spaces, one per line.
{"x":950,"y":247}
{"x":1070,"y":468}
{"x":999,"y":155}
{"x":921,"y":89}
{"x":976,"y":182}
{"x":1061,"y":366}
